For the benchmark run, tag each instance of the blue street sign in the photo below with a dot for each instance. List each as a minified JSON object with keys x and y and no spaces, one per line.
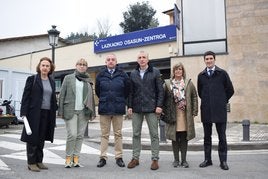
{"x":177,"y":16}
{"x":135,"y":39}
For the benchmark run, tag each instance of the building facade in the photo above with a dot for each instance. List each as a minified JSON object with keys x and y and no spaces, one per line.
{"x":241,"y":48}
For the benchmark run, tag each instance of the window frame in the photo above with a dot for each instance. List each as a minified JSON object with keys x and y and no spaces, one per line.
{"x":196,"y":42}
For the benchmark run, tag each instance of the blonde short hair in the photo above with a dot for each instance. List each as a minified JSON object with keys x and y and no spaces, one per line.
{"x":81,"y":60}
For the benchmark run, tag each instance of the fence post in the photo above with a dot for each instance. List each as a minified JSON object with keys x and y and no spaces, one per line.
{"x":246,"y":124}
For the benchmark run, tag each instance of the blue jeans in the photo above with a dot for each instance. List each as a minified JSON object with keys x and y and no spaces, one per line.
{"x":152,"y":122}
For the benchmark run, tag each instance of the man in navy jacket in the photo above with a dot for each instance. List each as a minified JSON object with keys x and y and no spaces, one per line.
{"x":111,"y":87}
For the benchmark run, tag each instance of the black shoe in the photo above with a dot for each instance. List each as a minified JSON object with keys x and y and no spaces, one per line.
{"x":205,"y":163}
{"x":224,"y":166}
{"x":120,"y":162}
{"x":184,"y":164}
{"x":101,"y":163}
{"x":176,"y":163}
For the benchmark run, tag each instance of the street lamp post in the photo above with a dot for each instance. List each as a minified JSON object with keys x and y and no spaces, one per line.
{"x":53,"y":36}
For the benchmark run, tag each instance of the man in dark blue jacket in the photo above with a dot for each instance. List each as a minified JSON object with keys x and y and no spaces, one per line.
{"x":145,"y":100}
{"x":111,"y":88}
{"x":215,"y":89}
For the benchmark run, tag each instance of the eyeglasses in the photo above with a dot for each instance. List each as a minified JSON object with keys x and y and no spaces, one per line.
{"x":82,"y":64}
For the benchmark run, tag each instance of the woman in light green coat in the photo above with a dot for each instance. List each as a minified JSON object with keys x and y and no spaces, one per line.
{"x":180,"y":105}
{"x":76,"y":107}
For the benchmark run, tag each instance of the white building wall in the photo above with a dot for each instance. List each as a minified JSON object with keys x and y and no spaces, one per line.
{"x":66,"y":57}
{"x":13,"y":84}
{"x":15,"y":47}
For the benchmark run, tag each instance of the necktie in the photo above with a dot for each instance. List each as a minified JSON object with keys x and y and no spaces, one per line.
{"x":111,"y":72}
{"x":210,"y":72}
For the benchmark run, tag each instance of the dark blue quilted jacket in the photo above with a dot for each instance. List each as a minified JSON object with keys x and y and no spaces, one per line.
{"x":112,"y":91}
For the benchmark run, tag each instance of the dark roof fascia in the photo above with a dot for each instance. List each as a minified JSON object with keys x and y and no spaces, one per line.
{"x":168,"y":11}
{"x":23,"y":37}
{"x":32,"y":36}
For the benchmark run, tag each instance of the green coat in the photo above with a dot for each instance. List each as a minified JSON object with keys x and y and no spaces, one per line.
{"x":67,"y":99}
{"x":191,"y":109}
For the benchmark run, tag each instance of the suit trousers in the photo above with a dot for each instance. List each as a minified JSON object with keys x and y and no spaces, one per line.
{"x":105,"y":125}
{"x":75,"y":133}
{"x":152,"y":122}
{"x":222,"y":145}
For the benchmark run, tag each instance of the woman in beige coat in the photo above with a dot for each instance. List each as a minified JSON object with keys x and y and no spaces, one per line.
{"x":180,"y":105}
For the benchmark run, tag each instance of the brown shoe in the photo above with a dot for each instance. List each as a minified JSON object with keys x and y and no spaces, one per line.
{"x":133,"y":163}
{"x":41,"y":166}
{"x":33,"y":167}
{"x":154,"y":165}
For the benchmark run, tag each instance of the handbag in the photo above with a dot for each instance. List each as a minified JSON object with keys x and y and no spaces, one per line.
{"x":166,"y":119}
{"x":166,"y":114}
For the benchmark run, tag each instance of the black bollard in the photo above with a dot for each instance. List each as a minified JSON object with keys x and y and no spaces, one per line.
{"x":86,"y":132}
{"x":228,"y":107}
{"x":162,"y":125}
{"x":246,"y":124}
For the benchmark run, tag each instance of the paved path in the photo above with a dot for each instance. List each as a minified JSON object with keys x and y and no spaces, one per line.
{"x":258,"y":136}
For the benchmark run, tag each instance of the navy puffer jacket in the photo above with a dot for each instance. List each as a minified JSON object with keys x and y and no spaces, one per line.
{"x":112,"y":91}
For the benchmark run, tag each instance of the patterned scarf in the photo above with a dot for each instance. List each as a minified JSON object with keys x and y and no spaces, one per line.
{"x":179,"y":93}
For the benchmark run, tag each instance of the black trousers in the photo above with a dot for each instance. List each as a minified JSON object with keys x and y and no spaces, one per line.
{"x":35,"y":152}
{"x":181,"y":144}
{"x":222,"y":145}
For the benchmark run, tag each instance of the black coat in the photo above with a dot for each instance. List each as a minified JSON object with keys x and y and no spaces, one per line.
{"x":148,"y":93}
{"x":112,"y":92}
{"x":31,"y":108}
{"x":215,"y":92}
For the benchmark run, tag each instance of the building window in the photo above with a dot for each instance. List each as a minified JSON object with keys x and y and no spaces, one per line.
{"x":57,"y":85}
{"x":204,"y":26}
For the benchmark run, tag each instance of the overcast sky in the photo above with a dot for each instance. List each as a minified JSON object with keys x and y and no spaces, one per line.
{"x":34,"y":17}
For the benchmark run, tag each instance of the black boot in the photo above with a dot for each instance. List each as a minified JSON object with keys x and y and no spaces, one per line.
{"x":175,"y":148}
{"x":183,"y":147}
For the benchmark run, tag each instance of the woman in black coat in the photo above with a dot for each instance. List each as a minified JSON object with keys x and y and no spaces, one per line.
{"x":39,"y":106}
